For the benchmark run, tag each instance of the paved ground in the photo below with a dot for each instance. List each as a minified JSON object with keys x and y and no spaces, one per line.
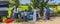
{"x":54,"y":20}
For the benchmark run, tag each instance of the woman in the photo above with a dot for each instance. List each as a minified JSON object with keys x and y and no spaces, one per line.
{"x":34,"y":15}
{"x":37,"y":12}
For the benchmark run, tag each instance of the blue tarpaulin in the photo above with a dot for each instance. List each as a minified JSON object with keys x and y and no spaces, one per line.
{"x":3,"y":3}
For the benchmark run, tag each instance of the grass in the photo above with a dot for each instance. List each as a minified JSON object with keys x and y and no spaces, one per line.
{"x":18,"y":20}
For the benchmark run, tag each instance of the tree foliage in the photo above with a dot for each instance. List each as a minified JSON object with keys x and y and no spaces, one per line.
{"x":40,"y":4}
{"x":17,"y":2}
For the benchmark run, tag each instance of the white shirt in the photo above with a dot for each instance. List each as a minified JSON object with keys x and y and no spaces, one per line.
{"x":25,"y":13}
{"x":16,"y":11}
{"x":44,"y":14}
{"x":37,"y":10}
{"x":45,"y":10}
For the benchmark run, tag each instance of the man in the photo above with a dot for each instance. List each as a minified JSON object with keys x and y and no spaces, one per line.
{"x":16,"y":12}
{"x":24,"y":15}
{"x":48,"y":13}
{"x":44,"y":13}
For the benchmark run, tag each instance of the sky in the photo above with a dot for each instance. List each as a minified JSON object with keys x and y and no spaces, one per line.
{"x":24,"y":1}
{"x":56,"y":1}
{"x":28,"y":1}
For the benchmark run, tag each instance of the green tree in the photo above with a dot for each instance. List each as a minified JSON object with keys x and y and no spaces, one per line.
{"x":43,"y":4}
{"x":17,"y":2}
{"x":40,"y":4}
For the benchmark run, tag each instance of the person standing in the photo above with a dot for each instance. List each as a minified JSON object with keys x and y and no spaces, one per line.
{"x":34,"y":15}
{"x":24,"y":15}
{"x":48,"y":13}
{"x":13,"y":12}
{"x":16,"y":12}
{"x":44,"y":13}
{"x":37,"y":12}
